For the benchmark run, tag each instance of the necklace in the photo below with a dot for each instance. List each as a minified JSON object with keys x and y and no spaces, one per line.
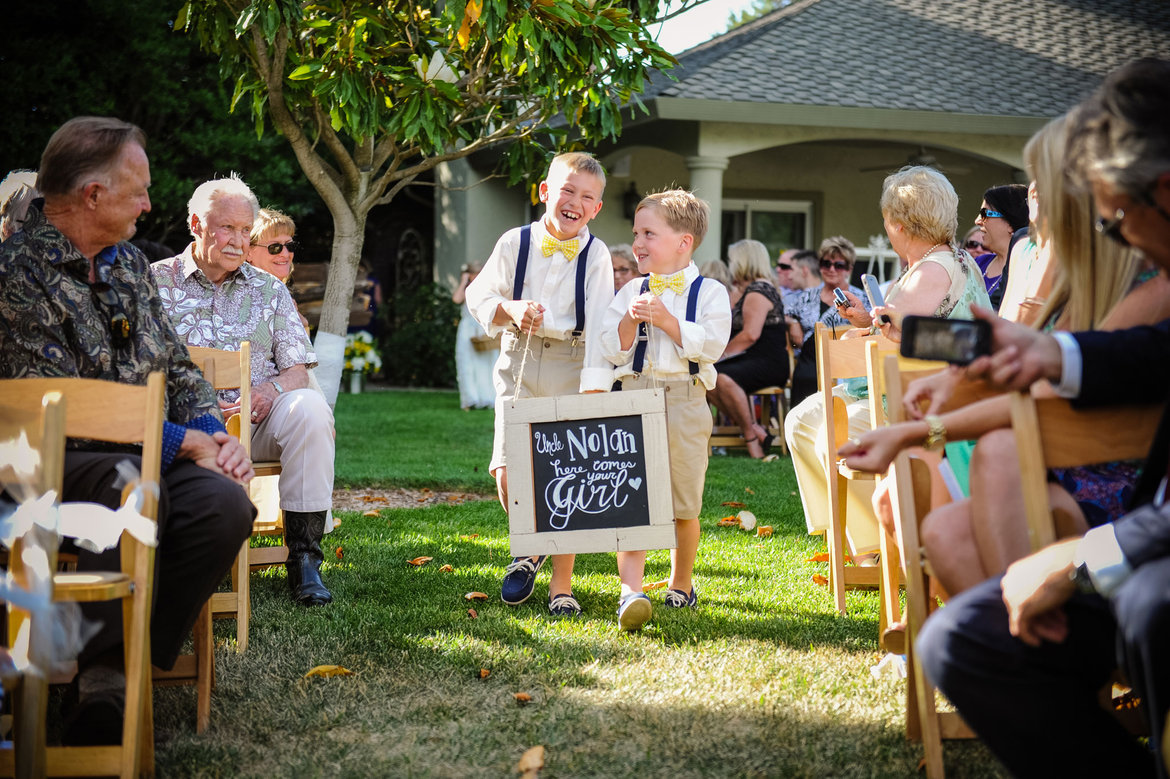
{"x":930,"y":251}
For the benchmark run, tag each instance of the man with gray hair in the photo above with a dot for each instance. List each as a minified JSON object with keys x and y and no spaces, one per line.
{"x":216,"y":299}
{"x":77,"y":300}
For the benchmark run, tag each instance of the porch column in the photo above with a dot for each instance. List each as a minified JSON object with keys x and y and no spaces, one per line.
{"x":707,"y":183}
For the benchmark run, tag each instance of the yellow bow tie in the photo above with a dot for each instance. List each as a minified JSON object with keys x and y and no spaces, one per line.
{"x":551,"y":245}
{"x":674,"y":281}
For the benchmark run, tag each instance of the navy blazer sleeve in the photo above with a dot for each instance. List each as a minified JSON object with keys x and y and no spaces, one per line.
{"x":1125,"y":366}
{"x":1144,"y":534}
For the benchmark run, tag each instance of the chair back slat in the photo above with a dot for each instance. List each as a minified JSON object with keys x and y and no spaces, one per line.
{"x":97,"y":410}
{"x":226,"y":370}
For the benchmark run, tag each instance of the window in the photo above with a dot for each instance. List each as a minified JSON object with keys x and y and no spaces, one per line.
{"x":778,"y":224}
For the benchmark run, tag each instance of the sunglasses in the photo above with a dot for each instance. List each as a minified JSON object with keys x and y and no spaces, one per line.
{"x":839,"y":265}
{"x":974,"y":245}
{"x":1111,"y":228}
{"x":274,"y":248}
{"x":783,"y":266}
{"x":988,"y":213}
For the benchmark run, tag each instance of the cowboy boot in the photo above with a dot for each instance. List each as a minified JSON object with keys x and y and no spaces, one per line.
{"x":302,"y":534}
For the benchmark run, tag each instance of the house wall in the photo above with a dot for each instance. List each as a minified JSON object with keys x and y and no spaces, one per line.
{"x":824,"y":168}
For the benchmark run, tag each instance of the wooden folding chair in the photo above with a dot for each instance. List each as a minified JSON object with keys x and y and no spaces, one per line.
{"x":769,"y":406}
{"x":232,"y":370}
{"x":29,"y":638}
{"x":124,"y":414}
{"x":843,"y":359}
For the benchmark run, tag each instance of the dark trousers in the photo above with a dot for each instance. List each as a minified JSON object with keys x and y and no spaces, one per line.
{"x":1037,"y":708}
{"x":204,"y":518}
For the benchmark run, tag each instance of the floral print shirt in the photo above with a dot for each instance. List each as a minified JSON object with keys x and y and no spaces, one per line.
{"x":55,"y":323}
{"x":248,"y":305}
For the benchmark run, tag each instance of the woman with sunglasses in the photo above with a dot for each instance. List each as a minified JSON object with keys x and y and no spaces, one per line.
{"x":920,"y":212}
{"x":805,"y":307}
{"x":1003,"y":212}
{"x":273,"y":247}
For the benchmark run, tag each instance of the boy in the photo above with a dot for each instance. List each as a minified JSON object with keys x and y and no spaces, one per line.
{"x":686,"y":332}
{"x":546,"y":287}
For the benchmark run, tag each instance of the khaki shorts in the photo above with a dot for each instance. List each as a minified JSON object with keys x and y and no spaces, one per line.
{"x":553,"y":368}
{"x":688,"y":434}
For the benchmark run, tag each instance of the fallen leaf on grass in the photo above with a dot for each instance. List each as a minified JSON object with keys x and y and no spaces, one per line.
{"x":531,"y":762}
{"x":473,"y":613}
{"x":656,"y":585}
{"x":420,"y":561}
{"x":423,"y":499}
{"x":339,"y":553}
{"x":372,"y":513}
{"x":764,"y":531}
{"x":327,"y":671}
{"x":770,"y":458}
{"x":375,"y":499}
{"x":749,"y":490}
{"x":522,"y":697}
{"x":728,"y":522}
{"x":823,"y":557}
{"x":426,"y":490}
{"x":821,"y":580}
{"x":484,"y":673}
{"x":468,"y":538}
{"x":735,"y":504}
{"x":446,"y":569}
{"x":476,"y":596}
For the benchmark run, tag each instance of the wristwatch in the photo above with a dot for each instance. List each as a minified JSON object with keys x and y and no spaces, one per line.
{"x":279,"y":389}
{"x":1081,"y":579}
{"x":936,"y":434}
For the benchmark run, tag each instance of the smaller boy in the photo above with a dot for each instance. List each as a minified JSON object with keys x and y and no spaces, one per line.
{"x":686,"y":332}
{"x":546,"y":287}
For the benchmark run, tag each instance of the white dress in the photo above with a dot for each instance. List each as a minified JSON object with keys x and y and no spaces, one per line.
{"x":473,"y":368}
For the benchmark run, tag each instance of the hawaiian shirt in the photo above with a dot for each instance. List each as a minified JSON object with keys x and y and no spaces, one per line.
{"x":54,"y":322}
{"x":804,"y":305}
{"x":248,"y":305}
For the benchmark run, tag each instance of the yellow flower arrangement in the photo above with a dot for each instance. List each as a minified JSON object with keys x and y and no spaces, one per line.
{"x":360,"y":353}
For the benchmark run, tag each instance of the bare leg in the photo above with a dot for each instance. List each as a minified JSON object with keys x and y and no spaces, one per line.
{"x":998,"y":523}
{"x":682,"y":558}
{"x":949,"y":539}
{"x":631,"y":570}
{"x":733,"y":401}
{"x":562,"y":575}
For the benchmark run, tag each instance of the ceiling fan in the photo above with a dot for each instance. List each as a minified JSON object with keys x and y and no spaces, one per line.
{"x":920,"y":158}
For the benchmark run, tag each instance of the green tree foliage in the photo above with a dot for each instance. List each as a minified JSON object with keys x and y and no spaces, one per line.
{"x":370,"y":95}
{"x":757,"y":9}
{"x":418,"y":341}
{"x":63,"y":59}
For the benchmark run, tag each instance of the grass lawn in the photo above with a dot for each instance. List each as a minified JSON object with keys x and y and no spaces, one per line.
{"x":764,"y":679}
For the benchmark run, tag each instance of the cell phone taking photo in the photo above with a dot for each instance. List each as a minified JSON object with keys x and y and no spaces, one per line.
{"x":873,"y":291}
{"x":957,"y":341}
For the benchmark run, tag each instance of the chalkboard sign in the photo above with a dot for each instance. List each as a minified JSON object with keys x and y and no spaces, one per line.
{"x":588,"y":473}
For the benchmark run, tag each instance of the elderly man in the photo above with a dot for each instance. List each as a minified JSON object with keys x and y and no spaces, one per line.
{"x":1023,"y":656}
{"x":216,"y":299}
{"x":77,"y":300}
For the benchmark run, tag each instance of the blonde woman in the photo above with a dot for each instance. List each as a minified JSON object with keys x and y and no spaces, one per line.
{"x":273,"y":247}
{"x":920,"y":211}
{"x":1099,"y":285}
{"x":757,"y":354}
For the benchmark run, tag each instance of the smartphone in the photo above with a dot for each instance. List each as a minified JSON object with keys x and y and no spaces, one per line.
{"x":840,"y":298}
{"x":957,"y":341}
{"x":873,"y":291}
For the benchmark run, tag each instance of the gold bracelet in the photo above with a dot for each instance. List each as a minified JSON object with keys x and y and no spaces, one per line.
{"x":936,"y":435}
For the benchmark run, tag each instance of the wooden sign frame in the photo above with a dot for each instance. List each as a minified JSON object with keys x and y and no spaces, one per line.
{"x":520,"y":440}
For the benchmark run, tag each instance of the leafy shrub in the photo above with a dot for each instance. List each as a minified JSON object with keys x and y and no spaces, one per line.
{"x":418,"y":337}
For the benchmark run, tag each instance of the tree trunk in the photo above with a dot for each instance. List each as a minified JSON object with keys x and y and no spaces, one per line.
{"x":348,"y":238}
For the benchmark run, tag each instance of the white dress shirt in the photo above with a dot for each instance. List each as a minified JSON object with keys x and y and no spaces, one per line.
{"x":703,"y":340}
{"x":551,"y":282}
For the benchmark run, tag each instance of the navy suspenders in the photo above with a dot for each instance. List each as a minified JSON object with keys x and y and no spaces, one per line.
{"x":522,"y":268}
{"x":643,"y":338}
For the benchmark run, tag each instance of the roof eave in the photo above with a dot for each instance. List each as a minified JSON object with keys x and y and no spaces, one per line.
{"x":674,"y":108}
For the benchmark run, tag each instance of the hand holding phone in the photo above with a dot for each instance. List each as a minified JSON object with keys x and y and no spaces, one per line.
{"x":957,"y":341}
{"x":839,"y":298}
{"x":873,"y":291}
